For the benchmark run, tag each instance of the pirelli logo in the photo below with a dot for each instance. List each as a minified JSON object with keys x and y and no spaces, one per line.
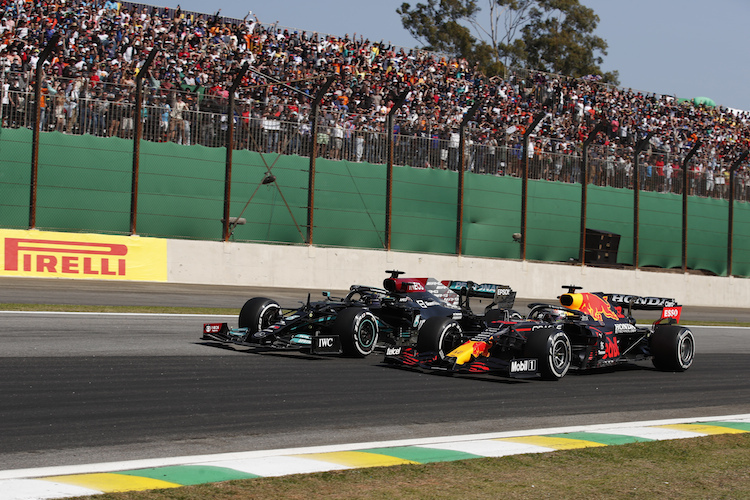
{"x":65,"y":257}
{"x":31,"y":253}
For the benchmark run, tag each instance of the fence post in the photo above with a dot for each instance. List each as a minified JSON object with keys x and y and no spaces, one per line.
{"x":685,"y":203}
{"x":600,"y":127}
{"x":227,"y":232}
{"x":138,"y":132}
{"x":525,"y":177}
{"x":389,"y":168}
{"x":313,"y":155}
{"x":461,"y":168}
{"x":730,"y":217}
{"x":639,"y":146}
{"x":35,"y":132}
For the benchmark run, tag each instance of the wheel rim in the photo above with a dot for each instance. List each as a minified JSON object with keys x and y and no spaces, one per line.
{"x":366,"y":334}
{"x":559,"y":356}
{"x":451,"y":340}
{"x":267,"y":317}
{"x":686,"y":350}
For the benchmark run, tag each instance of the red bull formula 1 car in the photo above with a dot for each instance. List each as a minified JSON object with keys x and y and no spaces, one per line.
{"x":368,"y":318}
{"x":586,"y":331}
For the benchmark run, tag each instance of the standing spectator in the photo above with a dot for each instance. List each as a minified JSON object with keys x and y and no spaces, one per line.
{"x":59,"y":112}
{"x":324,"y":137}
{"x":668,"y":171}
{"x":337,"y":136}
{"x":127,"y":119}
{"x":271,"y":131}
{"x":164,"y":113}
{"x":117,"y":109}
{"x":71,"y":104}
{"x":709,"y":176}
{"x":453,"y":143}
{"x":177,"y":120}
{"x":719,"y":181}
{"x":660,"y":176}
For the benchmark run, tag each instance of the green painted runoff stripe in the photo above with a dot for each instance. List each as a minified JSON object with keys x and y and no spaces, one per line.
{"x":187,"y":475}
{"x":609,"y":439}
{"x":742,"y":426}
{"x":423,"y":455}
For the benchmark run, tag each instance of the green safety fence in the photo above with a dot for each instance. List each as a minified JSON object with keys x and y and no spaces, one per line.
{"x":15,"y":178}
{"x":84,"y":185}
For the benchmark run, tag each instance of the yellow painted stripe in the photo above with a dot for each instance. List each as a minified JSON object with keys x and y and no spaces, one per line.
{"x":703,"y":428}
{"x":556,"y":443}
{"x":357,"y":459}
{"x":109,"y":483}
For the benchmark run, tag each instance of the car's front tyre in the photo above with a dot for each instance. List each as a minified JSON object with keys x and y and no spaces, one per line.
{"x":553,"y":351}
{"x":259,"y":313}
{"x":440,"y":335}
{"x":358,"y":330}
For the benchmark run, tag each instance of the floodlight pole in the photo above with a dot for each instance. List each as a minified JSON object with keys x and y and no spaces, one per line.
{"x":226,"y":233}
{"x":389,"y":169}
{"x":35,"y":133}
{"x":313,"y":154}
{"x":525,"y":178}
{"x":685,"y":202}
{"x":461,"y":169}
{"x":137,"y":138}
{"x":640,"y":146}
{"x":730,"y":217}
{"x":600,"y":127}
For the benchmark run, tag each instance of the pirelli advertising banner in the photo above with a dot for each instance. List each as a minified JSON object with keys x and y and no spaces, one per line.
{"x":88,"y":256}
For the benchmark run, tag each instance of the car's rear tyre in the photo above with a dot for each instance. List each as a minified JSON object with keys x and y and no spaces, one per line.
{"x":259,"y":313}
{"x":358,"y":330}
{"x":552,"y":350}
{"x":672,"y":348}
{"x":440,"y":335}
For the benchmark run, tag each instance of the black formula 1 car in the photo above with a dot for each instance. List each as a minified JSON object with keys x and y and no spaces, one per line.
{"x":586,"y":331}
{"x":368,"y":318}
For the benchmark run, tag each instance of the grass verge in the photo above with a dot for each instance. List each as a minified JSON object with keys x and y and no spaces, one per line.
{"x":708,"y":467}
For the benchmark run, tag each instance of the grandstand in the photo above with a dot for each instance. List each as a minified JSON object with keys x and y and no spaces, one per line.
{"x":89,"y":81}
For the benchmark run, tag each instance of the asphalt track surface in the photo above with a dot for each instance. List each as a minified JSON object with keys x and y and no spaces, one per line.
{"x":85,"y":388}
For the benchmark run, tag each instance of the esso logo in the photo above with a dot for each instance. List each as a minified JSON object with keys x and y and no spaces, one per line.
{"x":671,"y":312}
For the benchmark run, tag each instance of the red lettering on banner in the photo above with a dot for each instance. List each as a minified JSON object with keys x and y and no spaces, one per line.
{"x":53,"y":256}
{"x":87,"y":269}
{"x":105,"y":268}
{"x":46,"y":263}
{"x":69,"y":265}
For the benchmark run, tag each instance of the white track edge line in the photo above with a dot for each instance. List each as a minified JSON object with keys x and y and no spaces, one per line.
{"x":196,"y":459}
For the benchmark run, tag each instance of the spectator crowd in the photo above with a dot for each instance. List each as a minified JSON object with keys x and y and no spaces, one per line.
{"x":90,"y":77}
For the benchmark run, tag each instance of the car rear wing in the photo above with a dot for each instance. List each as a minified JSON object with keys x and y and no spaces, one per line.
{"x":640,"y":303}
{"x":502,"y":295}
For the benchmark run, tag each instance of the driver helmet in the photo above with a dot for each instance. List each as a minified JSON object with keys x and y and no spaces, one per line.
{"x":555,"y":315}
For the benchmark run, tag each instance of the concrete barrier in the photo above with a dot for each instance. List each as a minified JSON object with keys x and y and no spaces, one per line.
{"x":251,"y":264}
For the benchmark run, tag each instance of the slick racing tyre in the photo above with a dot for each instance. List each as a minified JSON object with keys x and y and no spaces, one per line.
{"x":552,"y":350}
{"x":259,"y":313}
{"x":672,"y":348}
{"x":440,"y":335}
{"x":358,"y":330}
